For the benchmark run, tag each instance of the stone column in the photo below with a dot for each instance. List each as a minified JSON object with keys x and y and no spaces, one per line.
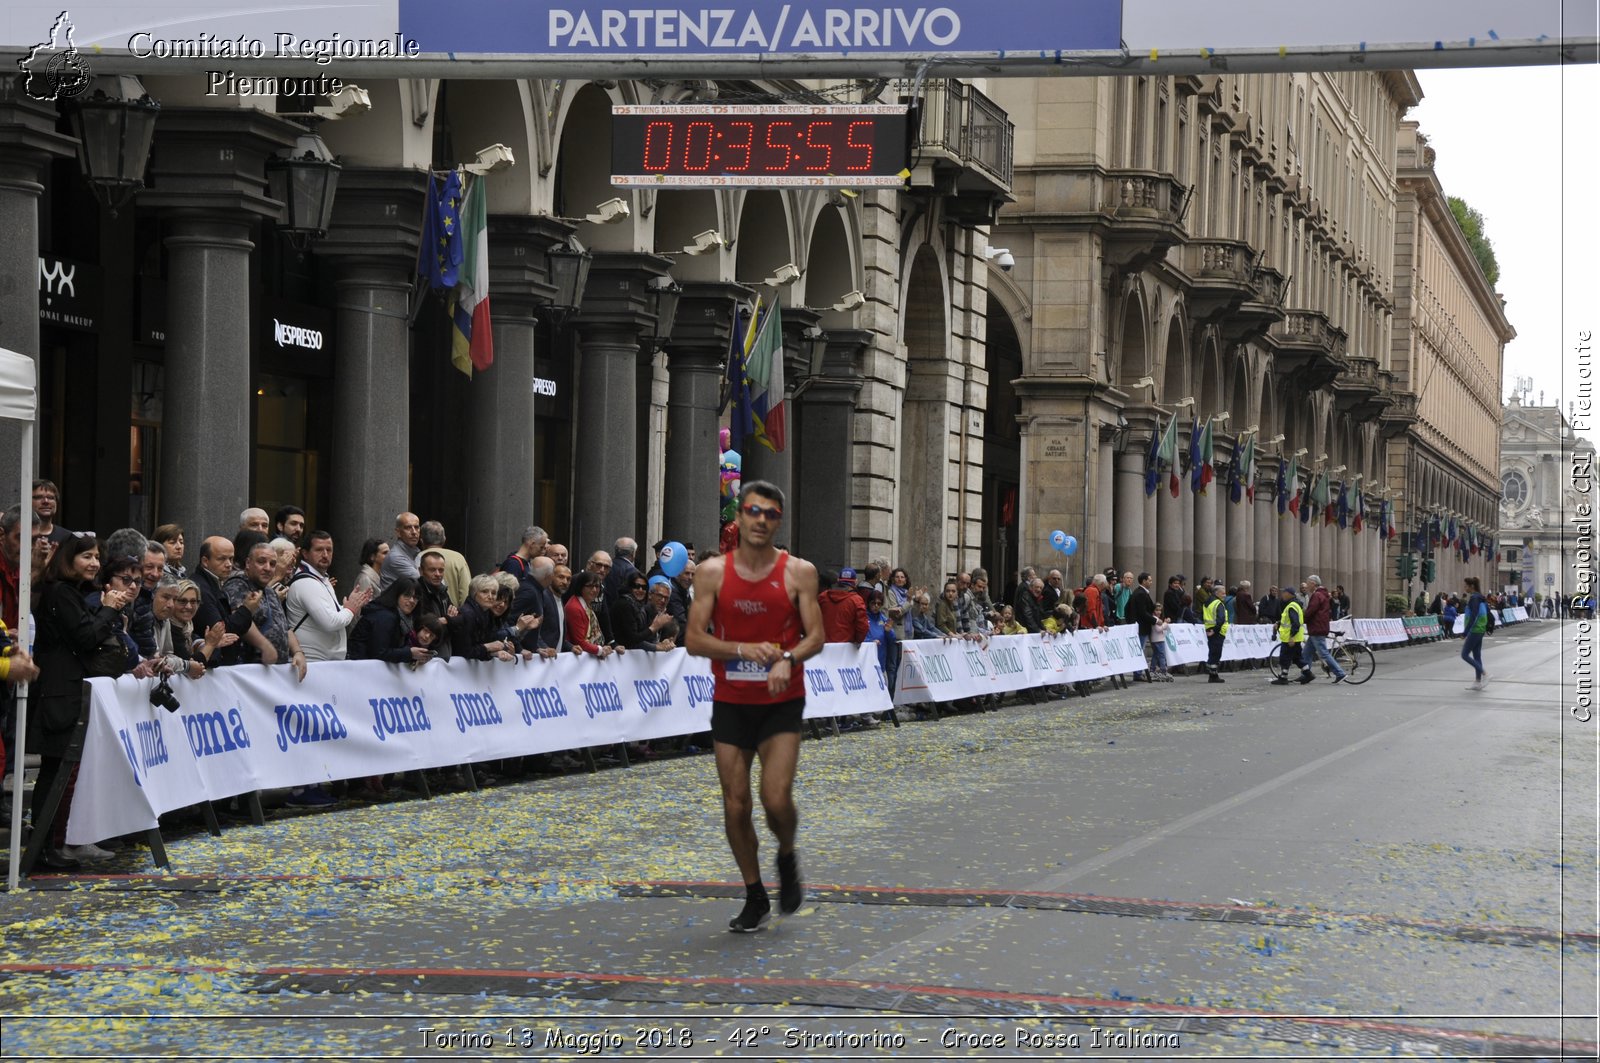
{"x":1264,"y":539}
{"x":501,"y":482}
{"x":1204,"y":524}
{"x":819,"y":521}
{"x":1172,"y":542}
{"x":1148,"y":557}
{"x":1105,"y":554}
{"x":209,"y":180}
{"x":28,"y":141}
{"x":1236,"y":565}
{"x":707,"y":316}
{"x":1128,"y":547}
{"x":371,"y":248}
{"x":1289,"y":574}
{"x":618,"y":309}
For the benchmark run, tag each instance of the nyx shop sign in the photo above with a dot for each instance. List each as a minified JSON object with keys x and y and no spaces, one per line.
{"x":69,"y":294}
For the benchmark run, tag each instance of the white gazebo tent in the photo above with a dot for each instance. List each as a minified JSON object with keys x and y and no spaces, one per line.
{"x":19,"y":401}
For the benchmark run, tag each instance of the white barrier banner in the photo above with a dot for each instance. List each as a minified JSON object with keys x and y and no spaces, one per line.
{"x":948,"y":670}
{"x":1186,"y":643}
{"x":1380,"y":631}
{"x":254,"y":728}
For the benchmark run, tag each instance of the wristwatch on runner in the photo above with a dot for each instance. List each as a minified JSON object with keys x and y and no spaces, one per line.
{"x":788,"y":656}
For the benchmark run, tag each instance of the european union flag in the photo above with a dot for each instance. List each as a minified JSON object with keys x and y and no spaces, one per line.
{"x":439,"y":259}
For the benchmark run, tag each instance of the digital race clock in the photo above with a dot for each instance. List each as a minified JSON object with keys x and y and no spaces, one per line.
{"x":758,"y":145}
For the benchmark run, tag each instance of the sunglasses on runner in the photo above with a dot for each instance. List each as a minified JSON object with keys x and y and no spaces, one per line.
{"x":769,"y":512}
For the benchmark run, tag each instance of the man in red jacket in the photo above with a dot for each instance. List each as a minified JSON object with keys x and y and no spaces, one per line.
{"x":844,"y":614}
{"x":1319,"y":611}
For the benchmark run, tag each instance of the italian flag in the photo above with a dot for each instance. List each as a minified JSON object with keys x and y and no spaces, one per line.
{"x":472,"y":341}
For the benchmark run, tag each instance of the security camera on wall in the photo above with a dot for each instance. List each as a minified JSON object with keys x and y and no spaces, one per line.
{"x":850,"y":301}
{"x":785,"y":275}
{"x":348,"y":102}
{"x":492,"y":159}
{"x":611,"y":210}
{"x":709,"y":240}
{"x":1002,"y":257}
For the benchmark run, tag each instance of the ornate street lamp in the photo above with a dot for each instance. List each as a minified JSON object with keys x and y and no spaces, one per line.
{"x":666,"y":292}
{"x":304,"y":181}
{"x":114,"y":123}
{"x":569,"y":272}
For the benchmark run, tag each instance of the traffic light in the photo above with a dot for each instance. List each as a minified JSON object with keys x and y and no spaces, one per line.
{"x":1429,"y":570}
{"x":1407,"y":566}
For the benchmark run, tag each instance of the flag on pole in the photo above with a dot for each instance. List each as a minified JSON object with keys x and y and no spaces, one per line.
{"x":741,"y":425}
{"x":1344,"y":506}
{"x":1169,"y":455}
{"x":764,"y":367}
{"x":1361,"y":512}
{"x":1152,"y":460}
{"x":1194,"y":456}
{"x":1207,"y":454}
{"x":439,"y":256}
{"x":1289,"y":488}
{"x":1244,"y":473}
{"x":1308,"y":499}
{"x":472,"y":346}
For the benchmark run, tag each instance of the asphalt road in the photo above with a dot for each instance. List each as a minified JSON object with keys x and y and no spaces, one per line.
{"x":1402,"y":868}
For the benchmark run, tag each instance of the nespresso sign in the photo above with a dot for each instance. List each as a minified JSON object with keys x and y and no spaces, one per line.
{"x":287,"y":335}
{"x":69,"y":294}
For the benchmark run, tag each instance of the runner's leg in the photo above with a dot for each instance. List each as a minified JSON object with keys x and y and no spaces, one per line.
{"x":779,"y":754}
{"x":733,"y":772}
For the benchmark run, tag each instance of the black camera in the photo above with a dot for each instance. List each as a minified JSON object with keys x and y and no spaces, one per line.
{"x":163,"y":696}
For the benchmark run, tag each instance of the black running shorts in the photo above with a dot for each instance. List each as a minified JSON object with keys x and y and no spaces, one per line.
{"x":747,"y":726}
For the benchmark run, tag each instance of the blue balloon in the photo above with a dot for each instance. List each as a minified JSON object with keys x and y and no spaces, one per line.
{"x":1069,"y":547}
{"x":1058,"y":539}
{"x":673,"y":557}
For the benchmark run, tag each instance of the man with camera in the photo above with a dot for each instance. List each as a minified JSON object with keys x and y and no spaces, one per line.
{"x":315,"y":615}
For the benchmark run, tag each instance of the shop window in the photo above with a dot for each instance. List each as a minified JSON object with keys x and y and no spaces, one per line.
{"x":287,"y":462}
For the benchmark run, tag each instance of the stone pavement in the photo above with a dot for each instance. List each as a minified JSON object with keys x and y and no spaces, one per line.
{"x":1177,"y":869}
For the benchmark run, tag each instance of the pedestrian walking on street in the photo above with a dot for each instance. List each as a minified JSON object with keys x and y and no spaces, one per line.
{"x":1319,"y":613}
{"x":1292,"y":637}
{"x":1215,"y":616}
{"x":1474,"y":627}
{"x":760,"y":600}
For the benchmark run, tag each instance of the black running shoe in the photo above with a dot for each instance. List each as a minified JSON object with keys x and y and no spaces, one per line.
{"x":791,"y":891}
{"x":757,"y":910}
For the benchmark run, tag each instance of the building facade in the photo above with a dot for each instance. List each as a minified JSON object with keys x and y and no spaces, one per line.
{"x":1206,"y":248}
{"x":1447,"y":355}
{"x":1547,"y":478}
{"x":974,"y":361}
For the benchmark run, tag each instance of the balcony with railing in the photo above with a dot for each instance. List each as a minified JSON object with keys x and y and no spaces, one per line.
{"x":1307,"y":348}
{"x":1399,"y":415}
{"x":1261,"y":309}
{"x":1358,"y":389}
{"x":1220,"y":277}
{"x":965,"y":144}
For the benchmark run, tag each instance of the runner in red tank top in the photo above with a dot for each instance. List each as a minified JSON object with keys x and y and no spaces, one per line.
{"x":755,"y":615}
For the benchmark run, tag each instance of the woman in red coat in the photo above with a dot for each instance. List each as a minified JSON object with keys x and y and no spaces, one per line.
{"x":583,"y":626}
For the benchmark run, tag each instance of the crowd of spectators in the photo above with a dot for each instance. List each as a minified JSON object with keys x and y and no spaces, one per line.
{"x":141,"y":605}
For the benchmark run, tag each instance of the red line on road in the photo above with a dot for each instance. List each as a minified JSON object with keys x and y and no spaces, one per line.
{"x":994,"y":897}
{"x":1131,"y":1007}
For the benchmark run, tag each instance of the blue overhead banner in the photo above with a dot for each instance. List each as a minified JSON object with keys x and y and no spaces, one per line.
{"x":761,"y":27}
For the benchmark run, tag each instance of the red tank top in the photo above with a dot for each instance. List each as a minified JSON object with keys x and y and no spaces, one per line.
{"x":755,"y":611}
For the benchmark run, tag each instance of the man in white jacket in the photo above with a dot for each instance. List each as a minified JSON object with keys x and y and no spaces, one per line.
{"x":316,"y":615}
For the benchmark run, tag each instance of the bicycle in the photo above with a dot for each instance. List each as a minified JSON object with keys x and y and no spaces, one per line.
{"x":1353,"y":655}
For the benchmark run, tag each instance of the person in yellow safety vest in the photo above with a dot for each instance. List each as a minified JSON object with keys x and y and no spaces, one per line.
{"x":1292,"y":638}
{"x":1215,"y":615}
